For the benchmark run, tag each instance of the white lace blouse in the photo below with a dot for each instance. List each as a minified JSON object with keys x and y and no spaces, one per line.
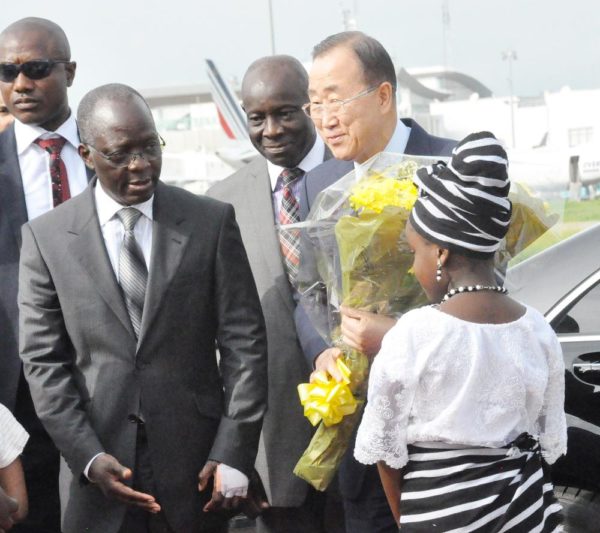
{"x":440,"y":378}
{"x":12,"y":437}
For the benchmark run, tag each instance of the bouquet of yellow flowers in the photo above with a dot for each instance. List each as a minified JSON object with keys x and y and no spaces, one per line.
{"x":354,"y":253}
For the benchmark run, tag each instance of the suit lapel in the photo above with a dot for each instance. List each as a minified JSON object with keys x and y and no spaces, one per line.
{"x":419,"y":142}
{"x":257,"y":190}
{"x":89,"y":249}
{"x":12,"y":197}
{"x":169,"y":239}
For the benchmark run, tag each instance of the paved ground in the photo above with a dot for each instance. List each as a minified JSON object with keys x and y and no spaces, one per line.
{"x":241,"y":524}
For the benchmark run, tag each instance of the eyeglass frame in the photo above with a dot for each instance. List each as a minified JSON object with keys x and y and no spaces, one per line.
{"x":132,"y":155}
{"x":51,"y":63}
{"x":337,"y":101}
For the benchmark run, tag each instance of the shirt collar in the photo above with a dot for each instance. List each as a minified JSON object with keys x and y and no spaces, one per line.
{"x":107,"y":207}
{"x":314,"y":158}
{"x":396,"y":145}
{"x":25,"y":134}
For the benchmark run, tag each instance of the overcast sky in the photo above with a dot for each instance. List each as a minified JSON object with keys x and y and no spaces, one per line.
{"x":152,"y":43}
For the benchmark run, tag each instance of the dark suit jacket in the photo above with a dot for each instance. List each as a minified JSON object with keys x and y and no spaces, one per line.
{"x":419,"y":142}
{"x":87,"y":373}
{"x":13,"y":214}
{"x":286,"y":432}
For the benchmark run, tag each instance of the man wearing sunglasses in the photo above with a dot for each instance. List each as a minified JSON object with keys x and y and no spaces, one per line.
{"x":39,"y":169}
{"x":352,"y":91}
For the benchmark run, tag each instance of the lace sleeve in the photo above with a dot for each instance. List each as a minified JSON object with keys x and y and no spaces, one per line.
{"x":552,"y":421}
{"x":382,"y":432}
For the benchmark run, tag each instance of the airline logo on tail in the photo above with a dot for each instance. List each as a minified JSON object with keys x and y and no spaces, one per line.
{"x":239,"y":149}
{"x":231,"y":115}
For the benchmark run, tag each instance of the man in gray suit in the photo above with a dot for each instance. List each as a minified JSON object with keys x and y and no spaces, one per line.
{"x":123,"y":293}
{"x":274,"y":90}
{"x":352,"y":92}
{"x":35,"y":73}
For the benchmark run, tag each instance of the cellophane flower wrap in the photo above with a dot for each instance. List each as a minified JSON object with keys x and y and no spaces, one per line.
{"x":354,"y":253}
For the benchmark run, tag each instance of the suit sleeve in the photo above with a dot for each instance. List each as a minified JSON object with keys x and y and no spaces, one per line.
{"x":313,"y":296}
{"x":242,"y":343}
{"x":48,"y":360}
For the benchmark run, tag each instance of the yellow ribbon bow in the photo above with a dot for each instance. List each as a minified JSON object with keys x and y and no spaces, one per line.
{"x":326,"y":399}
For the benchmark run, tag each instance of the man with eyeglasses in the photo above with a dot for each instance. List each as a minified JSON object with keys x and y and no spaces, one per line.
{"x":265,"y":194}
{"x":125,"y":293}
{"x":39,"y":169}
{"x":352,"y":92}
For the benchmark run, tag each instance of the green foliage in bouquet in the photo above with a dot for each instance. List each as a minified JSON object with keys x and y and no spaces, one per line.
{"x":375,"y":263}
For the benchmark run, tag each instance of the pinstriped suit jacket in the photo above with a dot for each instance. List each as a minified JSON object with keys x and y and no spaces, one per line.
{"x":87,"y":373}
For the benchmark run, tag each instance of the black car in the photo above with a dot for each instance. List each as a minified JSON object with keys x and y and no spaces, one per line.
{"x":563,"y":282}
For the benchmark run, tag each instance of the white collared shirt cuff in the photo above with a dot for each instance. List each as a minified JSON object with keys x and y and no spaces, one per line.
{"x":231,"y":482}
{"x":86,"y":470}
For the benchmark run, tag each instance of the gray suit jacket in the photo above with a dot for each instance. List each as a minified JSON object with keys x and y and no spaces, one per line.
{"x":351,"y":472}
{"x":286,"y":432}
{"x":13,"y":214}
{"x":87,"y":373}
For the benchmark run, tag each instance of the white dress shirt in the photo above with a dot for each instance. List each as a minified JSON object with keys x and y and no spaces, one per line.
{"x":396,"y":145}
{"x":311,"y":160}
{"x":113,"y":231}
{"x":34,"y":163}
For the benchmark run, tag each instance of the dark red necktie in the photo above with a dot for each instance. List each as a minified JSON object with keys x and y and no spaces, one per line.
{"x":58,"y":171}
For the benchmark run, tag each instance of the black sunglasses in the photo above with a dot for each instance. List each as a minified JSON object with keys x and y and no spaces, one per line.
{"x":34,"y":70}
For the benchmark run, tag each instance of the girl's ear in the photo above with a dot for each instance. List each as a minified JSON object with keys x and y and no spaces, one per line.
{"x":443,"y":255}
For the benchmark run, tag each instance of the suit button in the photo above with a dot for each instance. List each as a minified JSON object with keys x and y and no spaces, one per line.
{"x":134,"y":419}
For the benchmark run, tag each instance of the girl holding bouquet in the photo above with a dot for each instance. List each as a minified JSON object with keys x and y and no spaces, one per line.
{"x":466,"y":396}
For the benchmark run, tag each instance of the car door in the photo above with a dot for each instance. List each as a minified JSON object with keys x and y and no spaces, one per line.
{"x":576,"y":319}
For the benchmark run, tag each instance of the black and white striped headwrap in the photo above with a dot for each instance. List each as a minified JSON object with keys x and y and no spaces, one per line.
{"x":464,"y":206}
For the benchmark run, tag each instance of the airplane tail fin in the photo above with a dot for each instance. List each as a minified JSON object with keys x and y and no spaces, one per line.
{"x":231,"y":115}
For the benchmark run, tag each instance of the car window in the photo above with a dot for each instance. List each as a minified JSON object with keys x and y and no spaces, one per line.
{"x":584,"y":316}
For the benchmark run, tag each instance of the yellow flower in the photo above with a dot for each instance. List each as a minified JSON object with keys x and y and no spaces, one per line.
{"x":376,"y":192}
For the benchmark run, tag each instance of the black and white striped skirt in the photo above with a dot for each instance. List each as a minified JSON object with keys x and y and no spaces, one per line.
{"x":491,"y":490}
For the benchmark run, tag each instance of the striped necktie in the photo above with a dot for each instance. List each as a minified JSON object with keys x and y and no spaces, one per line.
{"x":289,"y":213}
{"x":58,"y":170}
{"x":133,"y":273}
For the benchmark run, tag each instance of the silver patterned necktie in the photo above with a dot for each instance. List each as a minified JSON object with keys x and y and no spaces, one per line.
{"x":133,"y":273}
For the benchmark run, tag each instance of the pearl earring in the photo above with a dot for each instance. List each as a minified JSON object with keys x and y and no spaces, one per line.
{"x":438,"y":272}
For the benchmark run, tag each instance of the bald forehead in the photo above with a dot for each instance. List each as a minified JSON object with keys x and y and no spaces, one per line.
{"x":120,"y":109}
{"x":277,"y":70}
{"x":43,"y":33}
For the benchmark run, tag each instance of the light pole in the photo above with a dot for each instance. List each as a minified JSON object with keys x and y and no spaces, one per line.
{"x":271,"y":28}
{"x":510,"y":56}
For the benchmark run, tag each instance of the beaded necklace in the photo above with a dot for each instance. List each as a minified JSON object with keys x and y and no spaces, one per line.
{"x":473,"y":288}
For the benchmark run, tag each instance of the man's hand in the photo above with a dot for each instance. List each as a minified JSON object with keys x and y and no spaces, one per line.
{"x":218,"y":502}
{"x":364,"y":331}
{"x":8,"y":510}
{"x":326,"y":362}
{"x":106,"y":472}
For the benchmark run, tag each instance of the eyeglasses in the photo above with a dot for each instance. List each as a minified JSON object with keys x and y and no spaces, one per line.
{"x":34,"y":70}
{"x":335,"y":106}
{"x":119,"y":159}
